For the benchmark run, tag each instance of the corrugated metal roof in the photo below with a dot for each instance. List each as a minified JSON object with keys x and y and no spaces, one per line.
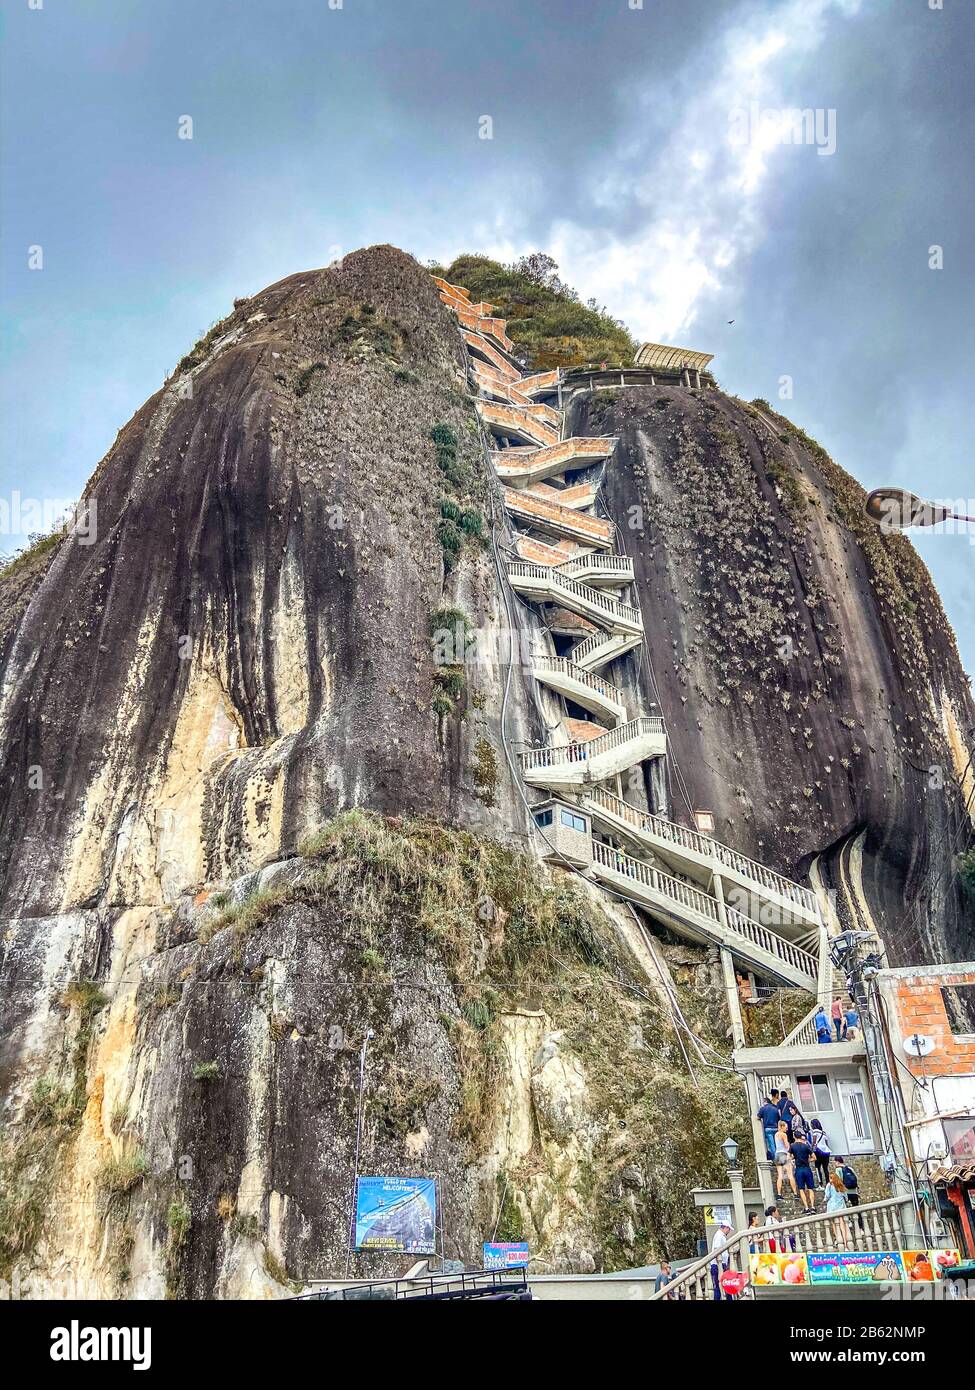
{"x":660,"y":355}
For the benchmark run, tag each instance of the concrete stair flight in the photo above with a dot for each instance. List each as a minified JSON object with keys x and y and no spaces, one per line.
{"x":566,"y":564}
{"x":701,"y":857}
{"x":689,"y":910}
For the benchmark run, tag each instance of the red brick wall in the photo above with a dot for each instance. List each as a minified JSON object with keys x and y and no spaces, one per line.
{"x":920,"y":1009}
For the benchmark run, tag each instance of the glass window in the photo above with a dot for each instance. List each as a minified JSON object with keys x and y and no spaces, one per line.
{"x":574,"y":822}
{"x":814,"y":1091}
{"x":543,"y":817}
{"x":960,"y":1133}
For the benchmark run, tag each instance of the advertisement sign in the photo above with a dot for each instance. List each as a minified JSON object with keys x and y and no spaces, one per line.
{"x":926,"y":1266}
{"x":779,"y":1269}
{"x":854,"y":1266}
{"x":717,"y":1216}
{"x":396,"y":1214}
{"x":505,"y":1254}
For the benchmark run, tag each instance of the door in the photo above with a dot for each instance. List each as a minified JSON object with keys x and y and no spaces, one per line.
{"x":856,"y":1117}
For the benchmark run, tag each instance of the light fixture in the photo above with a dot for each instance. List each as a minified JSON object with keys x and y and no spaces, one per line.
{"x":730,"y":1150}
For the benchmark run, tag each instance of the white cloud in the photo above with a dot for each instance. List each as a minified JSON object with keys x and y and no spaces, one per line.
{"x":697,"y":196}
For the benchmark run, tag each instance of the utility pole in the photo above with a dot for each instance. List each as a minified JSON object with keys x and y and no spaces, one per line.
{"x":856,"y":954}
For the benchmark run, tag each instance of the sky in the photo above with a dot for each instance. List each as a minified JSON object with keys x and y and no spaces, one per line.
{"x":640,"y":142}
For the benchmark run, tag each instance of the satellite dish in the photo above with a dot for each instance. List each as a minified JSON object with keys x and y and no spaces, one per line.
{"x":917,"y":1045}
{"x":895,"y":509}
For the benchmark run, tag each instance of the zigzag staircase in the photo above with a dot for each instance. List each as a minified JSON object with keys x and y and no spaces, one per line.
{"x":564,"y":562}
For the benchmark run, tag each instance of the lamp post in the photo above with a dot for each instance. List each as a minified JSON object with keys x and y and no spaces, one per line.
{"x":730,"y":1150}
{"x":896,"y":509}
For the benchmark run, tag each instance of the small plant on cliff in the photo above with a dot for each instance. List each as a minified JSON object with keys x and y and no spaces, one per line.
{"x":373,"y":962}
{"x":966,"y":871}
{"x":303,"y":384}
{"x":121,"y":1173}
{"x":28,"y":1160}
{"x":485,"y":771}
{"x":203,"y":346}
{"x":441,"y":704}
{"x":36,"y":548}
{"x":206,"y":1071}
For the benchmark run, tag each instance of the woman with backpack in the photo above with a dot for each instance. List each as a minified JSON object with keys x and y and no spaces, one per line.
{"x":821,"y":1152}
{"x":836,"y":1202}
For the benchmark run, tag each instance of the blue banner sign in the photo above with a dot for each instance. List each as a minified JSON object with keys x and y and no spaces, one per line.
{"x":505,"y":1254}
{"x":396,"y":1214}
{"x":854,"y":1267}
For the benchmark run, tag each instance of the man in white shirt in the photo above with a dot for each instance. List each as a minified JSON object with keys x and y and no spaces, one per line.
{"x":721,"y":1260}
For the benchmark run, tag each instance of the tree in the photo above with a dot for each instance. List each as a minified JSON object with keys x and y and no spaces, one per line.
{"x":541,"y":269}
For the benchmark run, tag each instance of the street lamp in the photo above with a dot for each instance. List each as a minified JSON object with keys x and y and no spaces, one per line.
{"x":730,"y":1150}
{"x":896,"y":509}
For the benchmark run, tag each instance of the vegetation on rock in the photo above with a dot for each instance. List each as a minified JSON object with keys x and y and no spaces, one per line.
{"x":547,"y":321}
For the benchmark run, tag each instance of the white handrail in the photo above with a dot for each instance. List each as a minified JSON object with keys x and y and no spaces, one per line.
{"x":700,"y":901}
{"x":674,"y":888}
{"x":705,"y":846}
{"x":871,"y":1226}
{"x":582,"y":751}
{"x":580,"y":674}
{"x":549,"y":574}
{"x":597,"y":560}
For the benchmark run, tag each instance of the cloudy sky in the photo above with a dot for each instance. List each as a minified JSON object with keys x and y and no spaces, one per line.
{"x":635,"y":142}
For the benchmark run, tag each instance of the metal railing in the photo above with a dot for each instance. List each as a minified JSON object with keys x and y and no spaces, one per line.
{"x":562,"y":665}
{"x":878,"y":1226}
{"x":580,"y":752}
{"x":553,"y":578}
{"x":666,"y":831}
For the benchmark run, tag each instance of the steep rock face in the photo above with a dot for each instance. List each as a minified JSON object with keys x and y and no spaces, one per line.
{"x":810,"y":680}
{"x":245,"y":652}
{"x":245,"y":648}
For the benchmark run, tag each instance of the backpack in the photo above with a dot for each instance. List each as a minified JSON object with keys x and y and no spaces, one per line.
{"x":850,"y":1180}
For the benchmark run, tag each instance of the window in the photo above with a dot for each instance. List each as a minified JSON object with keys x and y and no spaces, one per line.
{"x":959,"y":1002}
{"x":573,"y":822}
{"x":960,"y":1134}
{"x":543,"y":818}
{"x":813,"y":1093}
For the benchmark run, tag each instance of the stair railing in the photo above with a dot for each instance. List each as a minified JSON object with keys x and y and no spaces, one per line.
{"x":878,"y":1226}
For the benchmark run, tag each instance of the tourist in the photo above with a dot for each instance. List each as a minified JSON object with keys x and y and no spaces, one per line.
{"x":791,"y":1114}
{"x":852,"y":1023}
{"x":836,"y":1201}
{"x":820,"y":1147}
{"x":823,"y":1033}
{"x":773,"y":1219}
{"x":721,"y":1258}
{"x":783,"y":1159}
{"x":769,"y":1116}
{"x":838,"y":1014}
{"x":803,"y":1175}
{"x":850,"y":1181}
{"x":754,"y":1226}
{"x":665,"y":1277}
